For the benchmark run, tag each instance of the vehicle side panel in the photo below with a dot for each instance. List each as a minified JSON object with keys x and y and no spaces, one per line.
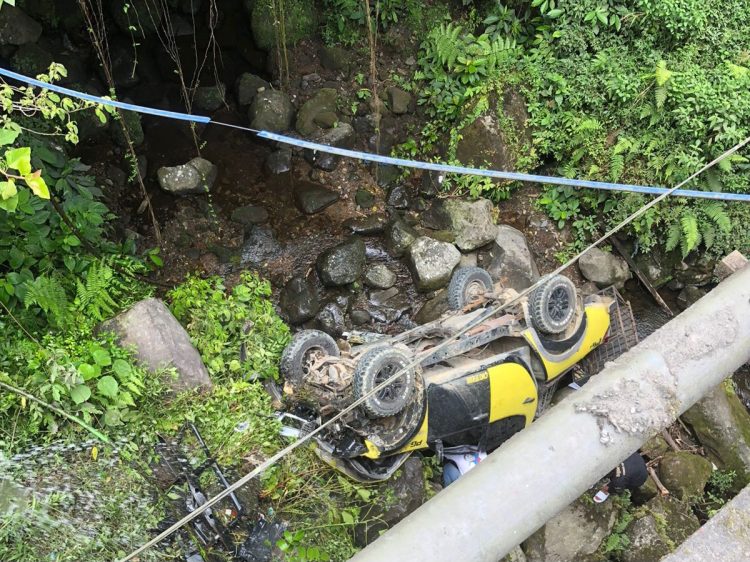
{"x":512,"y":392}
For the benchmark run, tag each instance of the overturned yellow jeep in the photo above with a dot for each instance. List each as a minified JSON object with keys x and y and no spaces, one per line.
{"x":480,"y":388}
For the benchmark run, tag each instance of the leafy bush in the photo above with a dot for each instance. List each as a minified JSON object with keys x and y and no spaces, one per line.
{"x":236,"y":333}
{"x":346,"y":20}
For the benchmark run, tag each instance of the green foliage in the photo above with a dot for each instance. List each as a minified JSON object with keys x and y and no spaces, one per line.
{"x":299,"y":17}
{"x":223,"y":326}
{"x":345,"y":21}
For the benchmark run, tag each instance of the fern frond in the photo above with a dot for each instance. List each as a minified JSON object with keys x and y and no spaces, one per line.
{"x":48,"y":294}
{"x":674,"y":234}
{"x":660,"y":96}
{"x":708,"y":233}
{"x":93,"y":298}
{"x":616,"y":166}
{"x":718,"y":215}
{"x":691,"y":234}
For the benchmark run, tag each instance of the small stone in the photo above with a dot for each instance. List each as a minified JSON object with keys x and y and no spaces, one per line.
{"x":271,"y":110}
{"x":386,"y":174}
{"x":279,"y":161}
{"x":432,"y":262}
{"x":604,"y":268}
{"x":342,"y":264}
{"x":247,"y":87}
{"x":398,"y":100}
{"x":380,"y":298}
{"x":371,"y":224}
{"x":250,"y":214}
{"x":195,"y":177}
{"x":689,"y":296}
{"x":341,"y":136}
{"x":398,"y":197}
{"x":334,"y":58}
{"x":331,"y":320}
{"x":433,"y":308}
{"x":209,"y":98}
{"x":313,"y":198}
{"x":364,"y":199}
{"x":379,"y":276}
{"x":360,"y":317}
{"x":323,"y":101}
{"x":259,"y":246}
{"x":298,"y":301}
{"x":322,"y":160}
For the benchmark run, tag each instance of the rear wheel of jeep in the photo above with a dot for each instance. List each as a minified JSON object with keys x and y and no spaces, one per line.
{"x":553,"y":305}
{"x":375,"y":367}
{"x":467,"y":285}
{"x":303,"y":352}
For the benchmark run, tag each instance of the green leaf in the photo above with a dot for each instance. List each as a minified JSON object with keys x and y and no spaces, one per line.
{"x":347,"y":517}
{"x":107,"y":386}
{"x":112,"y":417}
{"x":556,"y":13}
{"x":37,"y":184}
{"x":9,"y":204}
{"x":102,"y":357}
{"x":19,"y":159}
{"x":80,"y":394}
{"x":89,"y":371}
{"x":8,"y":136}
{"x":7,"y":189}
{"x":122,"y":369}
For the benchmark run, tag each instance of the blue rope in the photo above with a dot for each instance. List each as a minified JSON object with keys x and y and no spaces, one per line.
{"x":370,"y":157}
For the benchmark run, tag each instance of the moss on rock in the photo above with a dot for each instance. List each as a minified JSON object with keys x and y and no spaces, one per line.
{"x":300,"y":22}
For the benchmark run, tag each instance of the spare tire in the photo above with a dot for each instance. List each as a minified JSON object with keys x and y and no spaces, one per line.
{"x":376,"y":366}
{"x":553,"y":305}
{"x":304,"y":349}
{"x":467,"y":284}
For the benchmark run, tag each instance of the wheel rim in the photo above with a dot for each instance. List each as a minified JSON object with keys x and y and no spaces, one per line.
{"x":309,"y":359}
{"x":393,"y":391}
{"x":558,"y":305}
{"x":474,"y":291}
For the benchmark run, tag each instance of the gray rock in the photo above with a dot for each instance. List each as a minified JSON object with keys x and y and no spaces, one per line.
{"x":197,"y":176}
{"x":696,"y":270}
{"x":322,"y":160}
{"x":390,"y":309}
{"x":342,"y":264}
{"x":334,"y":58}
{"x":398,"y":100}
{"x":432,"y":262}
{"x":247,"y":87}
{"x":331,"y":320}
{"x":378,"y":276}
{"x":341,"y":136}
{"x":271,"y":110}
{"x":279,"y":161}
{"x":323,"y":101}
{"x":468,"y":260}
{"x":326,"y":119}
{"x":386,"y":174}
{"x":259,"y":246}
{"x":689,"y":296}
{"x":684,"y":474}
{"x":399,"y":237}
{"x":573,"y":534}
{"x":360,"y":317}
{"x":472,"y":222}
{"x":364,"y":199}
{"x":515,"y":555}
{"x":16,"y":28}
{"x":433,"y":308}
{"x":210,"y":98}
{"x":398,"y":197}
{"x":604,"y":268}
{"x":436,"y":217}
{"x":159,"y":343}
{"x":722,"y":424}
{"x":371,"y":224}
{"x":510,"y":261}
{"x":729,"y":264}
{"x":298,"y":301}
{"x":665,"y":524}
{"x":400,"y":496}
{"x":431,"y":183}
{"x":380,"y":298}
{"x":250,"y":214}
{"x":313,"y":198}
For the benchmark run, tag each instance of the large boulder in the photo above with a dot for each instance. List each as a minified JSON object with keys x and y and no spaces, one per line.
{"x":342,"y":264}
{"x":298,"y":301}
{"x":31,"y":59}
{"x":399,"y":237}
{"x":722,"y":425}
{"x":509,"y":260}
{"x":271,"y":110}
{"x":248,"y":86}
{"x":197,"y":176}
{"x":665,"y":523}
{"x":432,"y":262}
{"x":397,"y":498}
{"x":398,"y":100}
{"x":575,"y":534}
{"x":160,"y":343}
{"x":472,"y":222}
{"x":604,"y":268}
{"x":685,"y":474}
{"x":324,"y":101}
{"x":16,"y":28}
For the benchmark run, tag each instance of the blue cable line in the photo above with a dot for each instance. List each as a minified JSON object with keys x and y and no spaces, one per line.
{"x":368,"y":156}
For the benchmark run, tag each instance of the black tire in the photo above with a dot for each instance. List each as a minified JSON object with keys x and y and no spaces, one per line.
{"x":373,"y":368}
{"x":553,"y":305}
{"x":466,"y":284}
{"x":301,"y":350}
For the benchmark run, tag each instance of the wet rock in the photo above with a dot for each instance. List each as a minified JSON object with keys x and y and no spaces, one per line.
{"x":279,"y":161}
{"x":432,"y":262}
{"x":334,"y":58}
{"x":160,"y":342}
{"x":696,"y":271}
{"x":510,"y":261}
{"x":392,"y":309}
{"x":401,"y":495}
{"x":684,"y":474}
{"x":398,"y":100}
{"x":604,"y":268}
{"x":259,"y":246}
{"x":472,"y":222}
{"x":399,"y":237}
{"x":341,"y":136}
{"x":327,"y":119}
{"x":322,"y":160}
{"x":31,"y":59}
{"x":689,"y":296}
{"x":371,"y":224}
{"x":197,"y":176}
{"x":342,"y":264}
{"x":665,"y":524}
{"x":380,"y":298}
{"x":250,"y":214}
{"x":17,"y":28}
{"x":378,"y":276}
{"x":313,"y":198}
{"x":433,"y":308}
{"x":722,"y":425}
{"x":331,"y":320}
{"x":364,"y":199}
{"x":398,"y":197}
{"x":271,"y":110}
{"x":436,"y":217}
{"x":209,"y":98}
{"x":247,"y":87}
{"x":431,"y":182}
{"x":386,"y":175}
{"x":323,"y":101}
{"x":360,"y":317}
{"x":574,"y":534}
{"x":298,"y":301}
